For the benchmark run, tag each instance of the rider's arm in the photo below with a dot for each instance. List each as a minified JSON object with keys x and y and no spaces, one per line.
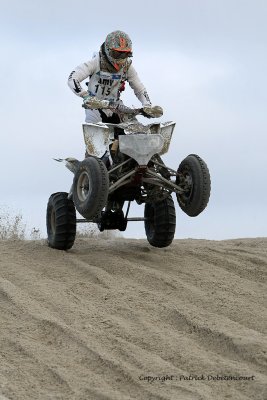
{"x":79,"y":74}
{"x":138,"y":87}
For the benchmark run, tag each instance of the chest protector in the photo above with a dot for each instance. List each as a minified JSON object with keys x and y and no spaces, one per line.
{"x":106,"y":85}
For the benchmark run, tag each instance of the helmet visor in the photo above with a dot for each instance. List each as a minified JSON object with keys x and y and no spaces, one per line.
{"x":120,"y":55}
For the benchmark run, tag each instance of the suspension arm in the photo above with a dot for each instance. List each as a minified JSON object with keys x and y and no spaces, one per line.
{"x":160,"y":178}
{"x":121,"y":181}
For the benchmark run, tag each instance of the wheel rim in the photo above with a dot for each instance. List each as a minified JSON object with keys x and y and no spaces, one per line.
{"x":188,"y":184}
{"x":83,"y":186}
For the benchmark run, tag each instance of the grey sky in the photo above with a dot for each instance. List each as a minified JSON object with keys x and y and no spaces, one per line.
{"x":203,"y":61}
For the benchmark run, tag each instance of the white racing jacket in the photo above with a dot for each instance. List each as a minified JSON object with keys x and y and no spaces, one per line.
{"x":105,"y":85}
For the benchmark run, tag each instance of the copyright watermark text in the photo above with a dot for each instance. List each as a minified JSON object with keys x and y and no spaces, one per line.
{"x":202,"y":377}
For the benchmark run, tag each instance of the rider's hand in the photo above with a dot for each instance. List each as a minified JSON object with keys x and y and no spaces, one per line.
{"x":150,"y":111}
{"x":142,"y":112}
{"x":95,"y":103}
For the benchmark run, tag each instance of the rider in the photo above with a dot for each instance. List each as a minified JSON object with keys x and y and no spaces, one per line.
{"x":107,"y":74}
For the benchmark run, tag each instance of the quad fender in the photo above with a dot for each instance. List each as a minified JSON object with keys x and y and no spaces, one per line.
{"x":97,"y":139}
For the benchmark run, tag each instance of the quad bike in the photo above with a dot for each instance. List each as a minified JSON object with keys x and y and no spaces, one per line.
{"x":123,"y":164}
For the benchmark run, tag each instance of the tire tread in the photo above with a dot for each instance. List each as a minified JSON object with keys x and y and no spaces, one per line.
{"x":65,"y":221}
{"x":164,"y":223}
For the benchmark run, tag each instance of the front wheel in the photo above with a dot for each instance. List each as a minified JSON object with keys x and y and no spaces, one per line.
{"x":194,"y":177}
{"x":60,"y":221}
{"x":160,"y":222}
{"x":90,"y":187}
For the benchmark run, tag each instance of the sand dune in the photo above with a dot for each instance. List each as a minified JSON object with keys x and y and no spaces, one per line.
{"x":120,"y":320}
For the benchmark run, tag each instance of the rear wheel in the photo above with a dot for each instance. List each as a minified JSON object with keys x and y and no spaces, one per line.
{"x":160,"y":222}
{"x":60,"y":221}
{"x":90,"y":187}
{"x":194,"y":176}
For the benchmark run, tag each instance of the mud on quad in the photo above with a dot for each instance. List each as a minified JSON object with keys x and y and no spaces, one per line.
{"x":124,"y":164}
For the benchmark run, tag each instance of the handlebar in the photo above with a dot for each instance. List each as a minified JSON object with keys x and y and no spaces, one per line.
{"x":146,"y":111}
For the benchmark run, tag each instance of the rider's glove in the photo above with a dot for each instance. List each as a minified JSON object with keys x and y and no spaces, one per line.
{"x":150,"y":111}
{"x":142,"y":112}
{"x":95,"y":103}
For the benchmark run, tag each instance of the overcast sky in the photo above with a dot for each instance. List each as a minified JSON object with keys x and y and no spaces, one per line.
{"x":203,"y":61}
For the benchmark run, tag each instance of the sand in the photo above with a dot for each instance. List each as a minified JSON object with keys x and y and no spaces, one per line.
{"x":118,"y":319}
